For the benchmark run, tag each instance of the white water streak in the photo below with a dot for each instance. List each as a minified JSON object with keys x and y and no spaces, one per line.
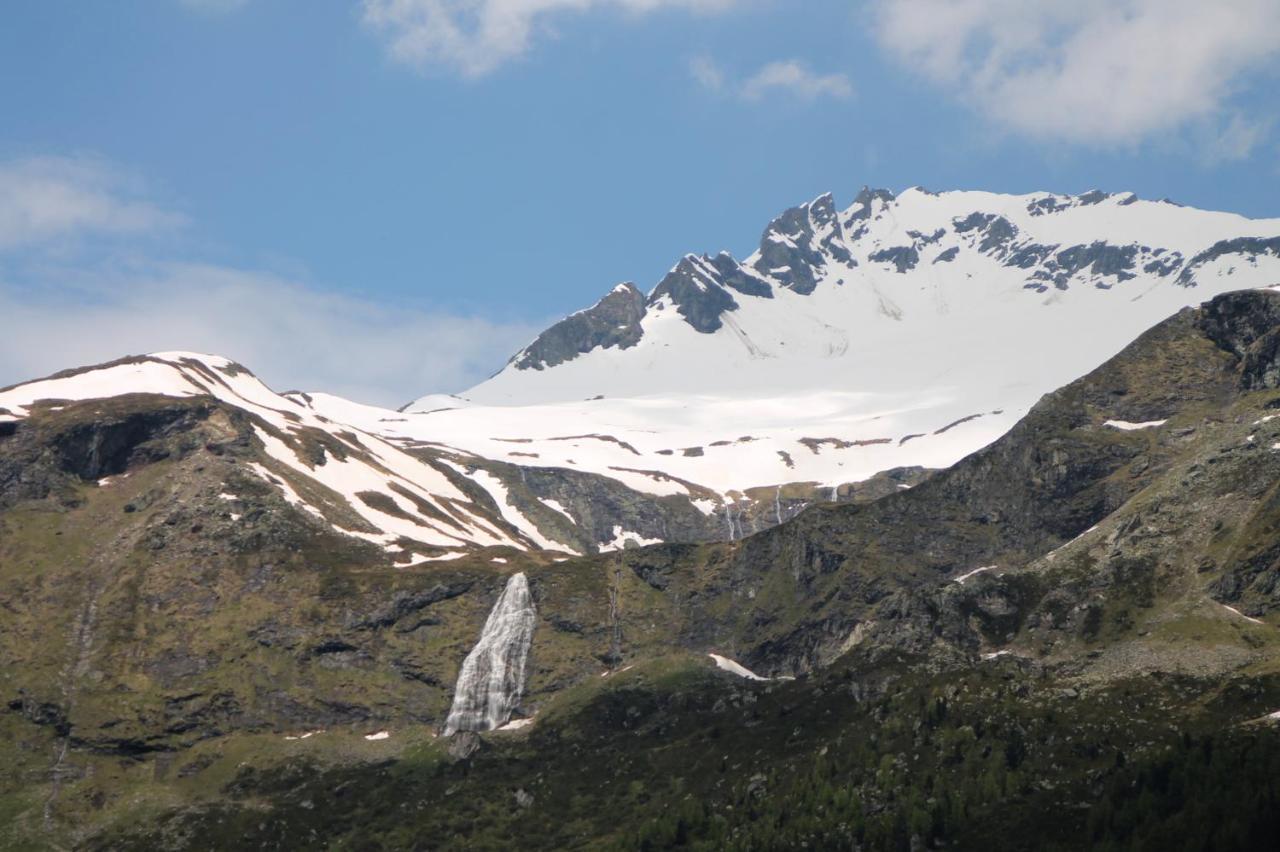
{"x":493,"y":675}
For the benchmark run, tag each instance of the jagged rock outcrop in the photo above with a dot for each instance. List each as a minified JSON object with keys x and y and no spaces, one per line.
{"x":612,"y":321}
{"x":695,"y":291}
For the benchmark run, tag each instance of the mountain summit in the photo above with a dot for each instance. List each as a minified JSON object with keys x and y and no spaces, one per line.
{"x":906,"y":330}
{"x":852,"y":353}
{"x":837,"y":298}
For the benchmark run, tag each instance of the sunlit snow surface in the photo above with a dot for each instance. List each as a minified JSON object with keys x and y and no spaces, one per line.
{"x":880,"y":360}
{"x":875,"y":369}
{"x":1132,"y":427}
{"x":734,"y":667}
{"x":373,"y":464}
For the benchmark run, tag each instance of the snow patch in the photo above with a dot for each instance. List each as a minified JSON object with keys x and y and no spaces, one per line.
{"x":622,"y":538}
{"x":1126,"y":426}
{"x":705,"y":506}
{"x":516,"y":724}
{"x":735,"y":668}
{"x":557,"y":506}
{"x":1241,"y":614}
{"x":502,"y":496}
{"x":974,"y":572}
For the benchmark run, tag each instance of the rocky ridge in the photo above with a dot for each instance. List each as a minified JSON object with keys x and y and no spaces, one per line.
{"x":1124,"y":529}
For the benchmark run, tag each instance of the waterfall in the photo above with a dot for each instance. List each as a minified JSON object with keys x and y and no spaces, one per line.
{"x":492,"y":675}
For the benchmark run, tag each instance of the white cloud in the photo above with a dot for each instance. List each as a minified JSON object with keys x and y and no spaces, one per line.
{"x":477,"y":36}
{"x":291,"y":336}
{"x":791,"y":78}
{"x":795,"y":79}
{"x":61,"y":309}
{"x":1099,"y":72}
{"x":50,"y":198}
{"x":1238,"y":138}
{"x":707,"y":73}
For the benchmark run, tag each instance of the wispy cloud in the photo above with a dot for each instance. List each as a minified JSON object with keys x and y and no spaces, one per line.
{"x":1237,"y":138}
{"x":794,"y":79}
{"x":293,"y":336}
{"x":1097,"y":72}
{"x":790,"y":78}
{"x":475,"y":37}
{"x":707,"y":73}
{"x":62,"y":308}
{"x":45,"y":199}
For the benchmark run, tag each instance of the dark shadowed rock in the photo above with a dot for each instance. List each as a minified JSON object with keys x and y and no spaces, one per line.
{"x":694,"y":290}
{"x":791,"y":250}
{"x":613,"y":321}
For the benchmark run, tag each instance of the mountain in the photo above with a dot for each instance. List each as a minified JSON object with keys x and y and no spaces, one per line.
{"x":1082,"y":612}
{"x":850,"y":355}
{"x":903,"y":331}
{"x":236,"y":618}
{"x":350,"y":470}
{"x":829,"y":292}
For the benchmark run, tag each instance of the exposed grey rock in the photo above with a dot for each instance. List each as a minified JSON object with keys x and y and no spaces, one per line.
{"x":1047,"y":205}
{"x":865,"y":201}
{"x":997,"y":232}
{"x":1249,"y":248}
{"x":405,"y":604}
{"x":790,"y":251}
{"x":903,"y":258}
{"x":613,"y":321}
{"x":922,"y":240}
{"x":1247,"y":326}
{"x":1030,"y":255}
{"x":464,"y":744}
{"x":1163,"y":263}
{"x":1101,"y":259}
{"x":735,"y":276}
{"x":695,"y":291}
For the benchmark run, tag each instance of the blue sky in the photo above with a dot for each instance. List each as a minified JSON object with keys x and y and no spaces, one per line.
{"x":387,"y":197}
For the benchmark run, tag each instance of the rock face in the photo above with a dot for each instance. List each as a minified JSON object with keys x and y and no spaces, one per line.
{"x":613,"y":321}
{"x":1157,"y":470}
{"x":1125,"y":528}
{"x":694,"y":288}
{"x":492,"y":678}
{"x":1040,"y":243}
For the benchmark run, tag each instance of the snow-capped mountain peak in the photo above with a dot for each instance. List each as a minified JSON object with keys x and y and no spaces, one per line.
{"x":826,"y":283}
{"x":861,"y":345}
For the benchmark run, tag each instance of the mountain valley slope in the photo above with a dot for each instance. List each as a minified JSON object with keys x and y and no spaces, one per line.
{"x":856,"y":351}
{"x":1101,"y":580}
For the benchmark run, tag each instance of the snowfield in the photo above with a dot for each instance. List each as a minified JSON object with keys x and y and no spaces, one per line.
{"x":902,"y":331}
